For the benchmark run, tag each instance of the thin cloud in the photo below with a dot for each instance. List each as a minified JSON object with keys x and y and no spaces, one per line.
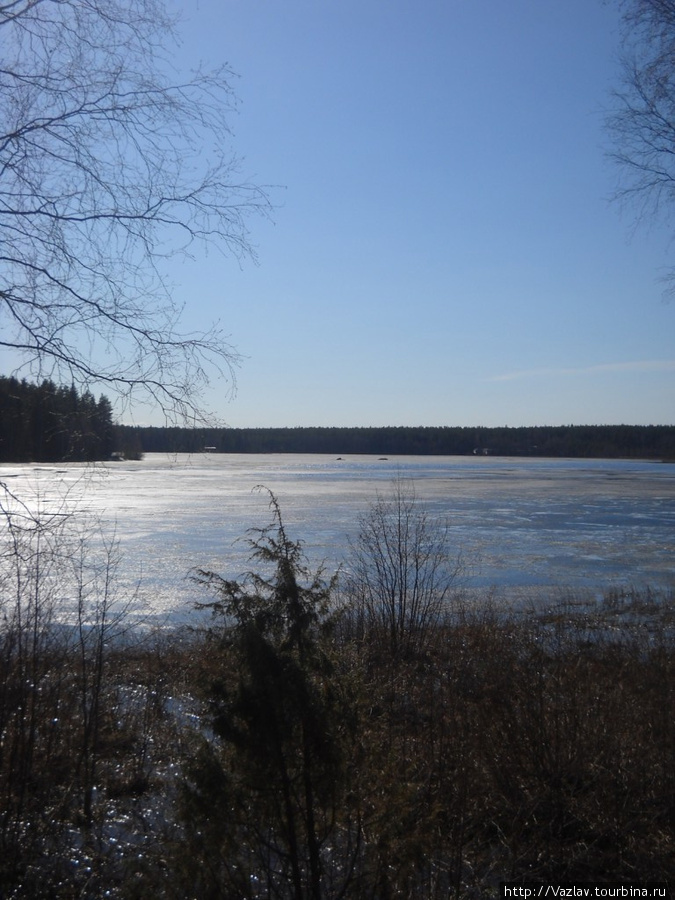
{"x":645,"y":365}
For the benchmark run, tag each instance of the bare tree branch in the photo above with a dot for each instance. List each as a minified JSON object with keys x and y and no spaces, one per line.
{"x":642,"y":123}
{"x":107,"y":167}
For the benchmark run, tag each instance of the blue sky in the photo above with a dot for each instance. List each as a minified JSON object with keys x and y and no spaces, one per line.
{"x":443,"y":250}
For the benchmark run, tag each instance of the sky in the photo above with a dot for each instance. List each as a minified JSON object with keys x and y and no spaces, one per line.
{"x":443,"y":249}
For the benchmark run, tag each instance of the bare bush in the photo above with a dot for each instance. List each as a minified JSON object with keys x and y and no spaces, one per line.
{"x":64,"y":733}
{"x":401,"y":569}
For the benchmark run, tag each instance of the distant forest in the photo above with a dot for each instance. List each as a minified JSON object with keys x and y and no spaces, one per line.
{"x":600,"y":441}
{"x":49,"y":423}
{"x":46,"y":423}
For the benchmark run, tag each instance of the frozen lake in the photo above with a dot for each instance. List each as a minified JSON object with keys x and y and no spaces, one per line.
{"x":526,"y":524}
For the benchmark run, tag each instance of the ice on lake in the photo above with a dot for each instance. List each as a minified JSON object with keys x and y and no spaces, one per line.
{"x":523,"y":524}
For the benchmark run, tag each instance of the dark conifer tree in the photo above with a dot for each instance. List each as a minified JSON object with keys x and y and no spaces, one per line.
{"x":270,"y":808}
{"x":46,"y":423}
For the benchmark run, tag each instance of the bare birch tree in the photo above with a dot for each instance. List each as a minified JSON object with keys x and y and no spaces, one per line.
{"x":110,"y":162}
{"x":642,"y":123}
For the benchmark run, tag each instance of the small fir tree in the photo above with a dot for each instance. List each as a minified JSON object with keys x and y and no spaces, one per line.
{"x":268,"y":802}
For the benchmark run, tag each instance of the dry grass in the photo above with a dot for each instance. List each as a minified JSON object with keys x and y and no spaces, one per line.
{"x":537,"y":745}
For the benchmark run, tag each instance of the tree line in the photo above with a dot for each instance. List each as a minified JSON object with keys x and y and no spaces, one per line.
{"x":600,"y":441}
{"x":47,"y":423}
